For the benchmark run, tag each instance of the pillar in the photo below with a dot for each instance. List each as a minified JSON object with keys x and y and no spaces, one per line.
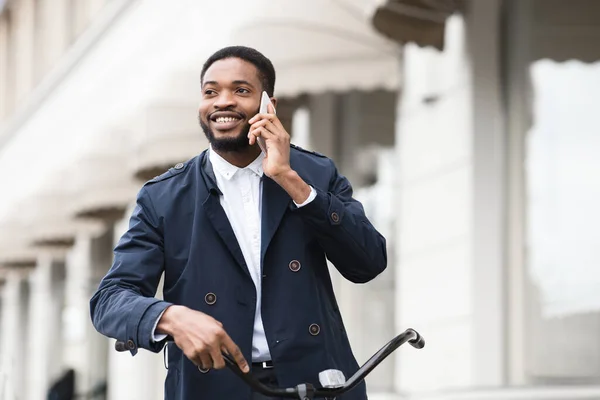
{"x":85,"y":350}
{"x":23,"y":13}
{"x":45,"y":334}
{"x":13,"y":347}
{"x":450,"y":237}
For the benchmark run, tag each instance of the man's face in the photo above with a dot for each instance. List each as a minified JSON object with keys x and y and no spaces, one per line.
{"x":231,"y":92}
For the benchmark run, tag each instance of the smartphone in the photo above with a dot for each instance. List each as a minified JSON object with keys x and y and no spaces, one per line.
{"x":264,"y":103}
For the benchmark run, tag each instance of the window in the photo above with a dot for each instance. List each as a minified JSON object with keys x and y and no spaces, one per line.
{"x":563,"y":224}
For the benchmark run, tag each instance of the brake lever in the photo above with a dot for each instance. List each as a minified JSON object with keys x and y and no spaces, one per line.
{"x":254,"y":383}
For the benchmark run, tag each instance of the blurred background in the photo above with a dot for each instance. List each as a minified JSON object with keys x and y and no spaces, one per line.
{"x":469,"y":128}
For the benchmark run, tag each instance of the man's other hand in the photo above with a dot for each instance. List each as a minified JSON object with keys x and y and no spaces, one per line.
{"x":200,"y":337}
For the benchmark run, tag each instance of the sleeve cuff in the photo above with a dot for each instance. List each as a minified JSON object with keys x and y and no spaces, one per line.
{"x":145,"y":327}
{"x":157,"y":337}
{"x":311,"y":197}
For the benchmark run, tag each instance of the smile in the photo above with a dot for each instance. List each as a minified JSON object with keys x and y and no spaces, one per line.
{"x":225,"y":123}
{"x":225,"y":120}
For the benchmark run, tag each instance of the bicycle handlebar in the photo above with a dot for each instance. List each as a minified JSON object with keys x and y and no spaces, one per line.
{"x":307,"y":391}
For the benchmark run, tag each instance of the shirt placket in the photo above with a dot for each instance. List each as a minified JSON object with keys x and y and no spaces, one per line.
{"x":252,"y":221}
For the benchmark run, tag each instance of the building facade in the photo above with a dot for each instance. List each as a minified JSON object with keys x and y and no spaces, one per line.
{"x":467,"y":128}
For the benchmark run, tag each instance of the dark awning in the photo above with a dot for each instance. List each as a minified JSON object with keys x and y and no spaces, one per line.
{"x":419,"y":21}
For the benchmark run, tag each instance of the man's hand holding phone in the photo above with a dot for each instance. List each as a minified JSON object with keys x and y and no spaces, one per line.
{"x":271,"y":136}
{"x":265,"y":126}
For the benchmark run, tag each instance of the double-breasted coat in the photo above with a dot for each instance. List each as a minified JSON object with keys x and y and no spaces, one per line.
{"x":179,"y":228}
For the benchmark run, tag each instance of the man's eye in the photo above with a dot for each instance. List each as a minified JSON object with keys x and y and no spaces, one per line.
{"x":243,"y":90}
{"x":209,"y":92}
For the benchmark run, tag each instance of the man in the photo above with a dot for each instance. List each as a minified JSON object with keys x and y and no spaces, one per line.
{"x":242,"y":239}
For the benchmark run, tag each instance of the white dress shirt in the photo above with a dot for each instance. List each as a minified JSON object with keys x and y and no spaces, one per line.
{"x":242,"y":202}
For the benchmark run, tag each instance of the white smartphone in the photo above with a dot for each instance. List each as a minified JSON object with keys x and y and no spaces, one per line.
{"x":264,"y":103}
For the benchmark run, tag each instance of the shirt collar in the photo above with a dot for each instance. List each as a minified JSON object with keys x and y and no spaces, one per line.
{"x":227,"y":170}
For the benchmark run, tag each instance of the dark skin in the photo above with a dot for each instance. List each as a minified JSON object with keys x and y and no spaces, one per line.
{"x":231,"y":92}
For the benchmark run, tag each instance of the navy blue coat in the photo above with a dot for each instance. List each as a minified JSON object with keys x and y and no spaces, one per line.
{"x":179,"y":227}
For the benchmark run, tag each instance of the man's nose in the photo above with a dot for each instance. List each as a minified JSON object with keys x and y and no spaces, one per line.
{"x":225,"y":100}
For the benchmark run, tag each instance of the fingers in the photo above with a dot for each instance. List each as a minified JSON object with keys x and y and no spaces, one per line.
{"x":260,"y":132}
{"x":217,"y":359}
{"x":269,"y":117}
{"x":215,"y":351}
{"x":265,"y":123}
{"x":259,"y":117}
{"x":206,"y":362}
{"x":203,"y":338}
{"x":235,"y":352}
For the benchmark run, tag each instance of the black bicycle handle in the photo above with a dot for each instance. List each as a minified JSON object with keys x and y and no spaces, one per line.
{"x":307,"y":390}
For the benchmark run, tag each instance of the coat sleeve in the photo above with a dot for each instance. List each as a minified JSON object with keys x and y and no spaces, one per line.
{"x":124,"y":306}
{"x":342,"y":229}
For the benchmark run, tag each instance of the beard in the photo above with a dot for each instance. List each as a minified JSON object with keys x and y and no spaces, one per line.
{"x":237,"y":143}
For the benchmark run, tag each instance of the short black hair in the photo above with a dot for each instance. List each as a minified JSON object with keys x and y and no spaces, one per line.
{"x":265,"y":68}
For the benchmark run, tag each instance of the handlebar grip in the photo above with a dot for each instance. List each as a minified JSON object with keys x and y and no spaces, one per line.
{"x":418,"y":342}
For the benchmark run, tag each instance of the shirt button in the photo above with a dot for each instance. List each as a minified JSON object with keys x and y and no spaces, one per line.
{"x":295,"y":265}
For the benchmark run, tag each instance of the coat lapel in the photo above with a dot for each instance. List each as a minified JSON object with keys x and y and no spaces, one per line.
{"x":275,"y":201}
{"x":217,"y":217}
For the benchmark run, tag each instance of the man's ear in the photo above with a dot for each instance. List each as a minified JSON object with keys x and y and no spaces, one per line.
{"x":274,"y":101}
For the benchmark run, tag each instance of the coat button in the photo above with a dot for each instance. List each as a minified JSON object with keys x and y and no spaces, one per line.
{"x":295,"y":265}
{"x":335,"y":217}
{"x":178,"y":165}
{"x":210,"y":298}
{"x":314,"y":329}
{"x":130,"y":344}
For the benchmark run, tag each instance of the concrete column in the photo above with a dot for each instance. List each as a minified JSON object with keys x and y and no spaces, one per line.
{"x":489,"y":282}
{"x":450,"y":280}
{"x":134,"y":378}
{"x":13,"y":348}
{"x":85,"y":350}
{"x":5,"y":76}
{"x":23,"y":13}
{"x":45,"y":336}
{"x":519,"y":97}
{"x":55,"y":31}
{"x":433,"y":242}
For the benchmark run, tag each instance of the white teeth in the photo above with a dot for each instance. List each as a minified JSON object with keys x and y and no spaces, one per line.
{"x":225,"y":119}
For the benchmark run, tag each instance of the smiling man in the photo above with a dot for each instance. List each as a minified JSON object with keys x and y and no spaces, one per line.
{"x":243,"y":240}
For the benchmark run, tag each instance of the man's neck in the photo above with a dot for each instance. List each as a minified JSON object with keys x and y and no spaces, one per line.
{"x":241,"y":158}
